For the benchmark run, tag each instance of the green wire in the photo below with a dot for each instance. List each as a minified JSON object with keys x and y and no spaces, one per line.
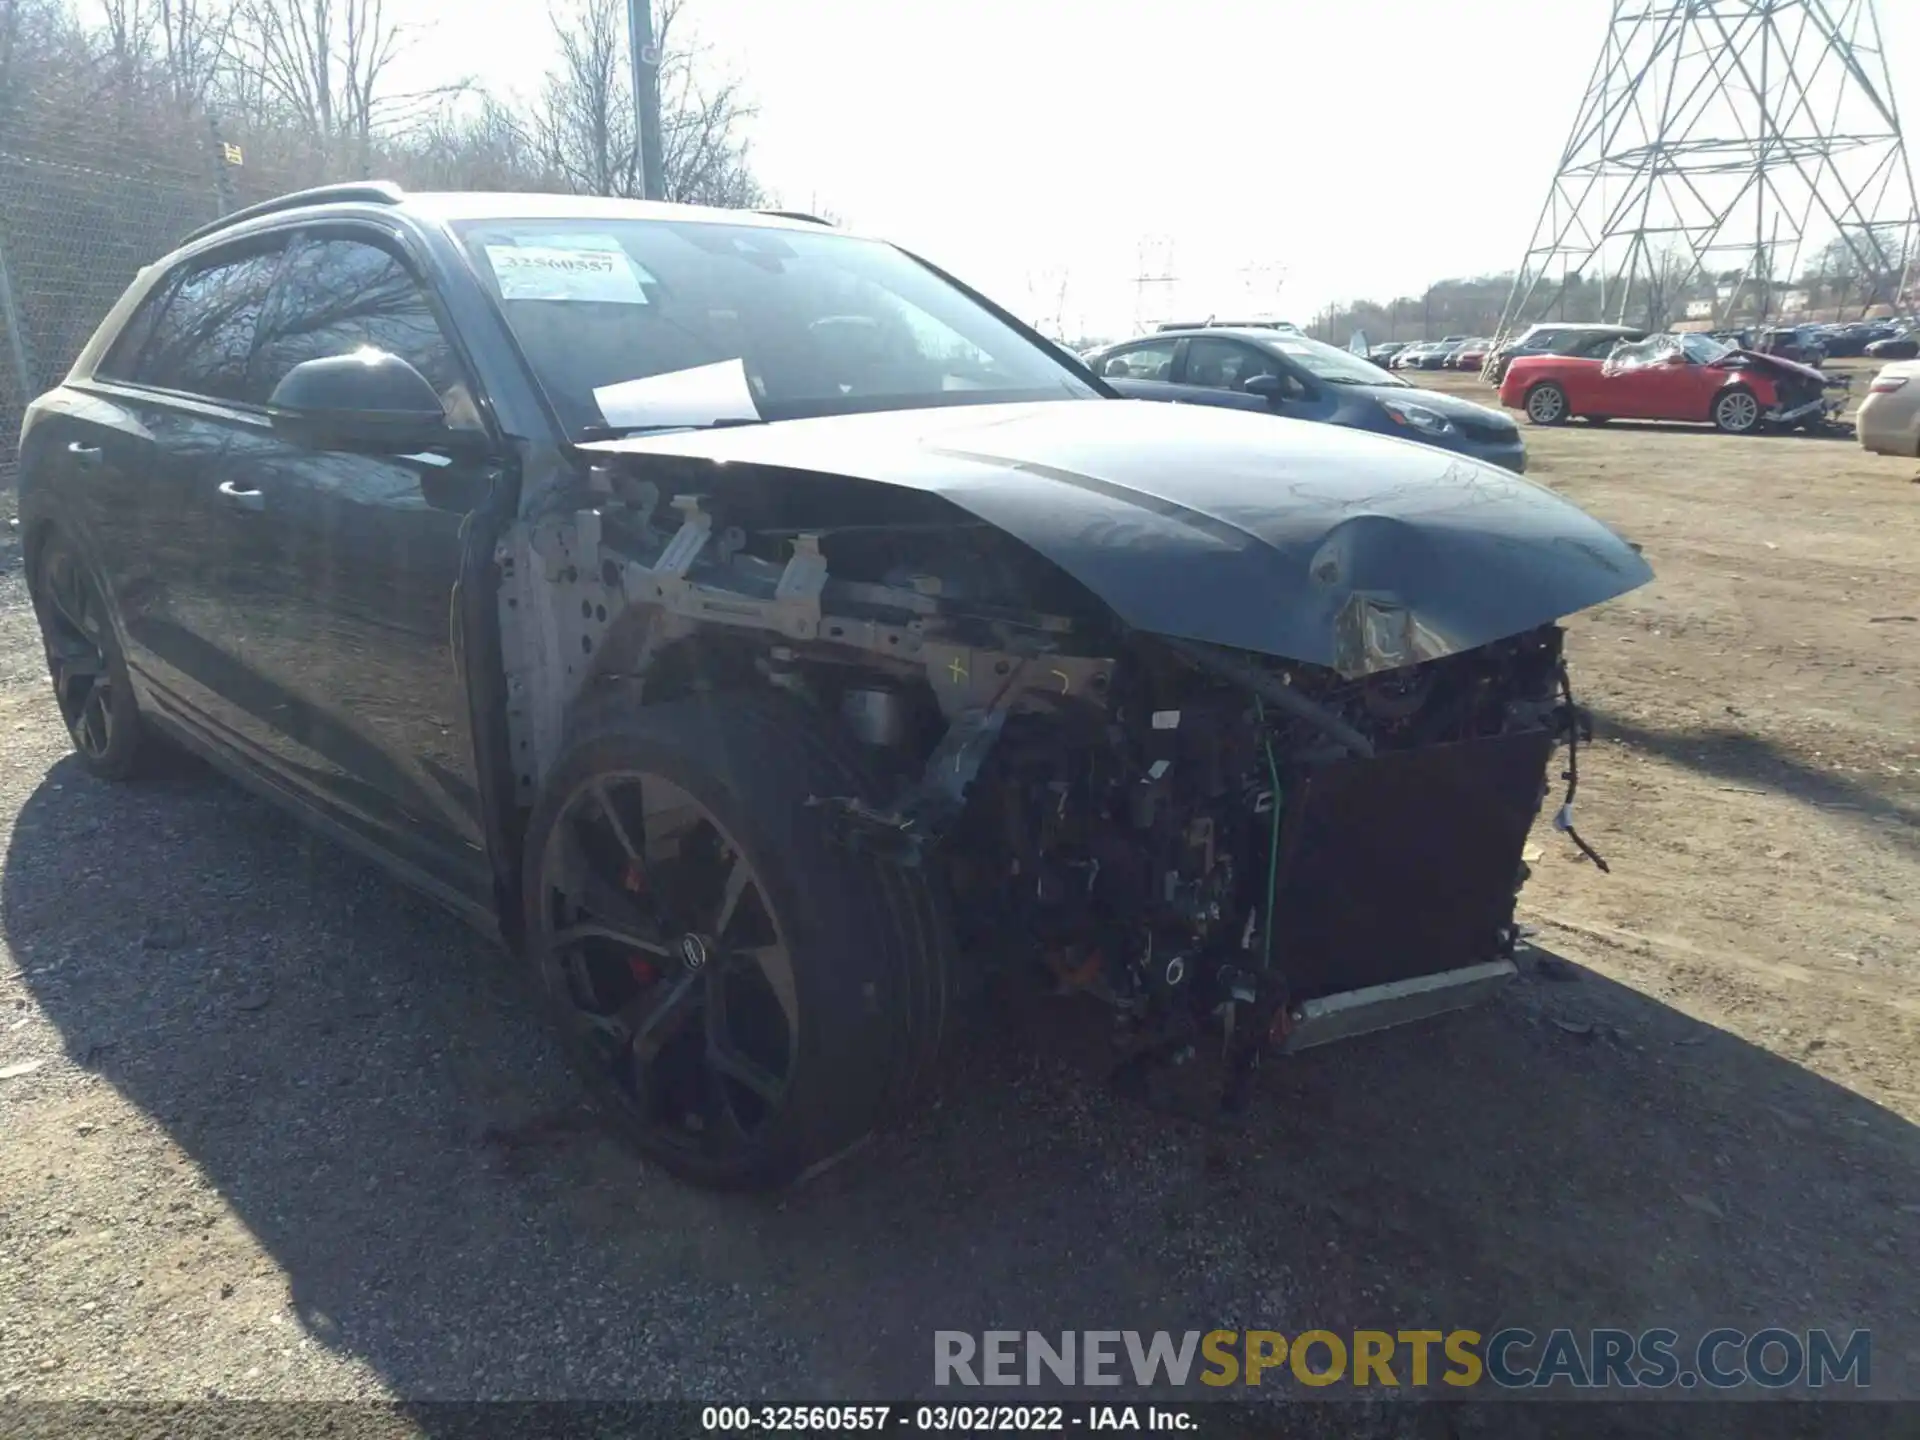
{"x":1273,"y":842}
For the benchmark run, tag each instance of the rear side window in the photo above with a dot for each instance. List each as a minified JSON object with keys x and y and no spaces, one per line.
{"x":337,"y":296}
{"x":1142,"y":362}
{"x":124,"y":354}
{"x":203,"y":340}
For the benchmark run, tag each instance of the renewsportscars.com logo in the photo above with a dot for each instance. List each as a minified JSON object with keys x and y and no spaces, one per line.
{"x":1511,"y":1359}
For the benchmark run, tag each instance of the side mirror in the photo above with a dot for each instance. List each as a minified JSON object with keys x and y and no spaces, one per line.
{"x":1676,"y":358}
{"x":1270,"y":388}
{"x":367,"y":401}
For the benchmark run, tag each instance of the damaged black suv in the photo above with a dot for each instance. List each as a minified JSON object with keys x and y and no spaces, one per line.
{"x":764,"y":634}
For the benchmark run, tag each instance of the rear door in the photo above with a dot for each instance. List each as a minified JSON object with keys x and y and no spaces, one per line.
{"x":173,"y":545}
{"x":356,"y":644}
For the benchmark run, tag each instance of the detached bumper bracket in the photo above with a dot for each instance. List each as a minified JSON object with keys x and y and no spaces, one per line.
{"x":1398,"y":1002}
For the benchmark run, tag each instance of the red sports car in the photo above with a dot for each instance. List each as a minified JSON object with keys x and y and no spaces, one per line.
{"x":1672,"y":377}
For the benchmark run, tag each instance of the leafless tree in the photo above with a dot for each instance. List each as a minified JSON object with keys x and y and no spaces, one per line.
{"x":194,"y":36}
{"x":584,"y":120}
{"x":703,"y":116}
{"x":170,"y":47}
{"x":482,"y":146}
{"x":583,"y":123}
{"x":324,"y":66}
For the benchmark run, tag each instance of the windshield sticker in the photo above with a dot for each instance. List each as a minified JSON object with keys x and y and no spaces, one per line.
{"x":568,"y":270}
{"x":700,"y":396}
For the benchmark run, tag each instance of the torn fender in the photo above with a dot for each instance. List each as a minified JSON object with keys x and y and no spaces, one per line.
{"x":1309,"y":542}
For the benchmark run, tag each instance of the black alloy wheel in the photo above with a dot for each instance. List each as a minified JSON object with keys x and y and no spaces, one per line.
{"x":89,"y":675}
{"x":662,"y":943}
{"x":744,"y":995}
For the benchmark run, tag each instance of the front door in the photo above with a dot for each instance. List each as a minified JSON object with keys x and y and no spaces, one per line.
{"x":356,"y":644}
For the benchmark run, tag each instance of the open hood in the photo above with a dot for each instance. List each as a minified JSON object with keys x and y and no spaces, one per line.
{"x":1309,"y":542}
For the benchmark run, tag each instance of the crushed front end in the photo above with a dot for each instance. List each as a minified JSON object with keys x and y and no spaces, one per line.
{"x":1267,"y":850}
{"x":1242,"y":759}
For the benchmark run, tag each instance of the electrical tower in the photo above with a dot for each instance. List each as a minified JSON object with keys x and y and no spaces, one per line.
{"x":1260,"y":286}
{"x":1154,"y":277}
{"x":1722,"y":146}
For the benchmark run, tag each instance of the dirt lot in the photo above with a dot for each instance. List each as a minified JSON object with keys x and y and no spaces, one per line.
{"x":292,"y":1133}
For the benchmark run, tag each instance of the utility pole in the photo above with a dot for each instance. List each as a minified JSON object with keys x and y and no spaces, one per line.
{"x":645,"y":54}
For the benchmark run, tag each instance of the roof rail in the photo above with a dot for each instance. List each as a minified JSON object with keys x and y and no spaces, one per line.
{"x":367,"y":192}
{"x":796,"y":215}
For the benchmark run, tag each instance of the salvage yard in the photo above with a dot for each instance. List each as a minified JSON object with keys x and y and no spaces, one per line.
{"x":270,"y":1126}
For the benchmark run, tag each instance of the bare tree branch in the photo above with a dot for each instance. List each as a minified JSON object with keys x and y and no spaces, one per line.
{"x":584,"y":121}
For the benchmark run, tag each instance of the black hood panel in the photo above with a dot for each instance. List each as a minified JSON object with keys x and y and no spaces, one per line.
{"x":1278,"y":536}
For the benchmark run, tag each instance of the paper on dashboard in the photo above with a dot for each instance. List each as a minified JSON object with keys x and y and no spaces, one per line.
{"x":699,"y":396}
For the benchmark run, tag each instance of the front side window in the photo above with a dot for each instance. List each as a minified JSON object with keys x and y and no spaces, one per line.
{"x":337,"y":296}
{"x":631,"y":323}
{"x":1227,"y":364}
{"x":1335,"y":367}
{"x":1142,"y":362}
{"x":203,"y":339}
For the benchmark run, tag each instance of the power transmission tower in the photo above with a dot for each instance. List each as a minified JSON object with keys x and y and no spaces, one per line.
{"x":1716,"y":141}
{"x":1260,"y":286}
{"x":1155,"y":277}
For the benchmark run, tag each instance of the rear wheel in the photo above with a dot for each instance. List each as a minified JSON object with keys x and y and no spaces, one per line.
{"x":744,"y":996}
{"x":1546,"y":404}
{"x":89,"y":673}
{"x":1736,"y":411}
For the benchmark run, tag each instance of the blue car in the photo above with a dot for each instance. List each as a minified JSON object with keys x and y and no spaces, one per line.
{"x":1291,"y":375}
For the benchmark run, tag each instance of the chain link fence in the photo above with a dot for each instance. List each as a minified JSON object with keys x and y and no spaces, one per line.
{"x":94,"y":185}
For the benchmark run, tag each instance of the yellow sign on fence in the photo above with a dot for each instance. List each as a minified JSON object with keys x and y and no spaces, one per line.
{"x":230,"y":152}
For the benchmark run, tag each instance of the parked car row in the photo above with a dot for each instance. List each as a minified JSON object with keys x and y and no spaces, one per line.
{"x":1455,"y":352}
{"x":1810,"y":345}
{"x":1855,"y":338}
{"x":1739,"y":380}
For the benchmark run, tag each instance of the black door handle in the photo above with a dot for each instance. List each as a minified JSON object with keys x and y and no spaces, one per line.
{"x":242,"y":499}
{"x":87,"y":456}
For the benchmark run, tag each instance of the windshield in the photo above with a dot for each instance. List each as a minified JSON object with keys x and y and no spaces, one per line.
{"x":1704,"y":349}
{"x":631,"y":324}
{"x":1323,"y":362}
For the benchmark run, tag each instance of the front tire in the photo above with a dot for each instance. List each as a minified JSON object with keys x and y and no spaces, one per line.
{"x":744,"y":995}
{"x":89,"y":672}
{"x":1736,"y":411}
{"x":1546,"y":404}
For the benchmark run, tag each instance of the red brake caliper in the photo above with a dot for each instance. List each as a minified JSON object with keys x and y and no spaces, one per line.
{"x":634,"y":881}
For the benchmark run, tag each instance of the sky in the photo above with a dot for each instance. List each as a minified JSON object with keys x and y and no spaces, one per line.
{"x":1271,"y":155}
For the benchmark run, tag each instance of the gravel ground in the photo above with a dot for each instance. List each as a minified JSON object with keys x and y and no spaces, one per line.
{"x":271,"y":1127}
